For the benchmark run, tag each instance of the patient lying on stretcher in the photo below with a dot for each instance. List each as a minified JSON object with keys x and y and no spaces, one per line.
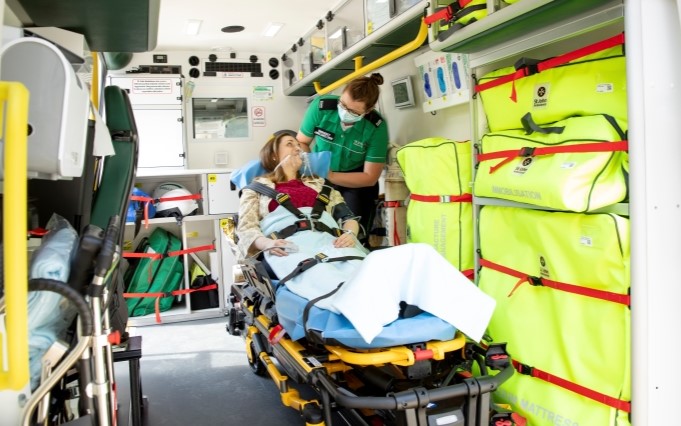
{"x":308,"y":238}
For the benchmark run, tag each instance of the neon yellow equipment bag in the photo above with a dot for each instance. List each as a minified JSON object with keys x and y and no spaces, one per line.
{"x":437,"y":172}
{"x":575,"y":164}
{"x":561,"y":282}
{"x":590,"y":80}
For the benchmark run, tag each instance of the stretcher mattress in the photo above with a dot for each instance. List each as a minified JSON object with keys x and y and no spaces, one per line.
{"x":420,"y":328}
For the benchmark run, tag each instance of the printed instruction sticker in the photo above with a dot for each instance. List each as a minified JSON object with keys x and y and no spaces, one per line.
{"x":586,"y":240}
{"x":263,"y":93}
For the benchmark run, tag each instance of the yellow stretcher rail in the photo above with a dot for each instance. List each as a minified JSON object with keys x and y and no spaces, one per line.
{"x":363,"y":70}
{"x":14,"y":99}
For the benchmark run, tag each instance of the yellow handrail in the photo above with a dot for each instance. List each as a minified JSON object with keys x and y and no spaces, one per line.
{"x":363,"y":70}
{"x":15,"y":98}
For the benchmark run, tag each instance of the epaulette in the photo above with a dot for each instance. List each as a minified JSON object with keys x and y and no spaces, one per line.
{"x":328,"y":104}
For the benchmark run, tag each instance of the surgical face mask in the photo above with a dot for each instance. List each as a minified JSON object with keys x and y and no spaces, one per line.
{"x":347,"y":116}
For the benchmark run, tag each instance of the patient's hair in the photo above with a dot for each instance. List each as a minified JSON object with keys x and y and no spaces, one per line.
{"x":269,"y":158}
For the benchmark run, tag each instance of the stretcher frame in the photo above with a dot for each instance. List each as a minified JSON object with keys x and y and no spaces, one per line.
{"x":324,"y":367}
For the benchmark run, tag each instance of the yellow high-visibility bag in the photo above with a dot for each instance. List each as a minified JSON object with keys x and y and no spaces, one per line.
{"x":437,"y":172}
{"x":561,"y":282}
{"x":577,"y":164}
{"x":590,"y":80}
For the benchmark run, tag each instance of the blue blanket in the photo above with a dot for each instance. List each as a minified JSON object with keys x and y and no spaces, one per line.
{"x":420,"y":328}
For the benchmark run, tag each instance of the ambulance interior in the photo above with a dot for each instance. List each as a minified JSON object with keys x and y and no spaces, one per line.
{"x":531,"y":148}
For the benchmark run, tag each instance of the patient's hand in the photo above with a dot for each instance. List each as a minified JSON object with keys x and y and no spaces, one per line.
{"x":275,"y":247}
{"x":345,"y":240}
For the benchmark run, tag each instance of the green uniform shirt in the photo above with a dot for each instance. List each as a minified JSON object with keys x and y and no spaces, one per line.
{"x":363,"y":141}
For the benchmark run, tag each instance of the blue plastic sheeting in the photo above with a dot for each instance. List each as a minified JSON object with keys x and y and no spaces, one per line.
{"x":420,"y":328}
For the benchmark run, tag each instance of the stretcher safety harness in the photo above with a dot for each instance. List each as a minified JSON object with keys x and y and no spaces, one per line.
{"x":159,"y":256}
{"x":147,"y":200}
{"x":550,"y":63}
{"x":608,"y":296}
{"x":306,"y":264}
{"x":566,"y":384}
{"x":510,"y":155}
{"x":303,"y":224}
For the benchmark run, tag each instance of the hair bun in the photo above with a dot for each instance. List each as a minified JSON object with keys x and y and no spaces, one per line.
{"x":377,"y":78}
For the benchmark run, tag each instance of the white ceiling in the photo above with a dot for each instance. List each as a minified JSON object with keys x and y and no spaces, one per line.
{"x":298,"y":17}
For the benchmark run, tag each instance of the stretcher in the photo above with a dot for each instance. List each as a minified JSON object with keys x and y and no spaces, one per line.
{"x":422,"y":377}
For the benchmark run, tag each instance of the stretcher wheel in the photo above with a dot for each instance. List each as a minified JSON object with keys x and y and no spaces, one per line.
{"x":256,"y":366}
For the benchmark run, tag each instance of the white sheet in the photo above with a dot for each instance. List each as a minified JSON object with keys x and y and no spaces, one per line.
{"x":417,"y":274}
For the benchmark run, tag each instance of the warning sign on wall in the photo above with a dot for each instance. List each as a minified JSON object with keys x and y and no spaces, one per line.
{"x":152,"y":86}
{"x":258,"y":116}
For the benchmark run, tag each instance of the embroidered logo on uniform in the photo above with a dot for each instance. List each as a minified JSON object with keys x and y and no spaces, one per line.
{"x":324,"y":134}
{"x":358,"y":144}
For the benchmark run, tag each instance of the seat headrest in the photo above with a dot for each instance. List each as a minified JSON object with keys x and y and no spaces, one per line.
{"x":320,"y":162}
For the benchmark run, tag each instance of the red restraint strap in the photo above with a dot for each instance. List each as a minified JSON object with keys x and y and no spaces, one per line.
{"x":173,"y":293}
{"x":553,"y":62}
{"x":578,"y":389}
{"x":510,"y":155}
{"x":608,"y":296}
{"x":392,"y":205}
{"x":147,"y":200}
{"x":157,"y":256}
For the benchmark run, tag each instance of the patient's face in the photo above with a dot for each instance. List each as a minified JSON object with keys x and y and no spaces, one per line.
{"x":289,"y":147}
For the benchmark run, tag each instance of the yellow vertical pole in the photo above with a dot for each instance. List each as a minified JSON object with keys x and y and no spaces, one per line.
{"x":15,"y":98}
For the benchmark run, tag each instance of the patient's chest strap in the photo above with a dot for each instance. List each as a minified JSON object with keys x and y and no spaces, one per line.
{"x":305,"y":225}
{"x":322,"y":200}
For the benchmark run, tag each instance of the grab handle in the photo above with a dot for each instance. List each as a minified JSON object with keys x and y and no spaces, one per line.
{"x":531,"y":127}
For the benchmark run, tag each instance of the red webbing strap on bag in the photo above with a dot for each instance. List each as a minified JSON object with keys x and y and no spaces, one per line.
{"x":610,"y":401}
{"x":510,"y":155}
{"x":191,"y":250}
{"x":608,"y":296}
{"x":447,"y":13}
{"x":392,"y":205}
{"x":552,"y":63}
{"x":158,"y":256}
{"x":159,"y":295}
{"x":463,"y":198}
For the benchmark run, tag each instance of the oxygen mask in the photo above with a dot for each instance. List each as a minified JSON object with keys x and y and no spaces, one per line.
{"x":306,"y":168}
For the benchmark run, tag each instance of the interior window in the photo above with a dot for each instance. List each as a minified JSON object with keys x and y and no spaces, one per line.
{"x":220,"y":118}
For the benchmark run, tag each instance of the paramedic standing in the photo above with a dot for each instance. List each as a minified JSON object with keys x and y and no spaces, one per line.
{"x":357,"y":136}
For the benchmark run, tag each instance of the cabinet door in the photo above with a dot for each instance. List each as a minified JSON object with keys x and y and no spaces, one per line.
{"x":160,"y":133}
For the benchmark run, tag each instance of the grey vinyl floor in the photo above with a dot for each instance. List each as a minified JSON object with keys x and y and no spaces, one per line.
{"x":194,"y":373}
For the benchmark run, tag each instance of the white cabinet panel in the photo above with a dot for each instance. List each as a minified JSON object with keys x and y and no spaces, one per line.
{"x":160,"y":133}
